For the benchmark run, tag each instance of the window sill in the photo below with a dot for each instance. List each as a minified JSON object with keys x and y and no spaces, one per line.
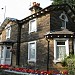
{"x":7,"y":37}
{"x":31,"y":61}
{"x":57,"y":61}
{"x":32,"y":32}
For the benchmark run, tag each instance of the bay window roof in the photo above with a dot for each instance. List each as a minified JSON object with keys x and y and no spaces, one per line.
{"x":65,"y":33}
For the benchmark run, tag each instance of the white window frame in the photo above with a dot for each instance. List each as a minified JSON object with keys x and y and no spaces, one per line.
{"x":8,"y":30}
{"x":67,"y":48}
{"x":63,"y":20}
{"x":29,"y":59}
{"x":34,"y":28}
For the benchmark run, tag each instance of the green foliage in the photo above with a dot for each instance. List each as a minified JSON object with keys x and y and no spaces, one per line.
{"x":64,"y":62}
{"x":69,"y":61}
{"x":70,"y":2}
{"x":71,"y":56}
{"x":57,"y":2}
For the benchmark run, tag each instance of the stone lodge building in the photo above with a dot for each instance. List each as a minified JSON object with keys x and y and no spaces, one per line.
{"x":40,"y":40}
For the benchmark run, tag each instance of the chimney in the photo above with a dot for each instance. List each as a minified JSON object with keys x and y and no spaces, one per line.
{"x":35,"y":8}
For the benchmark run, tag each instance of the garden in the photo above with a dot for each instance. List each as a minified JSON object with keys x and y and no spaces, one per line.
{"x":68,"y":63}
{"x":8,"y":70}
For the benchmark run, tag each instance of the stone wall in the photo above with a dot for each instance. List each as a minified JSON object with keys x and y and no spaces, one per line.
{"x":4,"y":35}
{"x":43,"y":26}
{"x":14,"y":31}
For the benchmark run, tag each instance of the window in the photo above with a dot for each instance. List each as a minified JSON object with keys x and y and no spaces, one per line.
{"x":64,"y":19}
{"x":8,"y":31}
{"x":61,"y":49}
{"x":32,"y":51}
{"x":32,"y":26}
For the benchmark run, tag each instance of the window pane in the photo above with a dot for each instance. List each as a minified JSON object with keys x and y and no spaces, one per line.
{"x":33,"y":25}
{"x":60,"y":52}
{"x":8,"y":32}
{"x":32,"y":51}
{"x":60,"y":43}
{"x":32,"y":54}
{"x":7,"y":53}
{"x":57,"y":52}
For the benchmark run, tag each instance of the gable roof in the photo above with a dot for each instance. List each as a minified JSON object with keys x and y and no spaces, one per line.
{"x":5,"y":22}
{"x":64,"y":7}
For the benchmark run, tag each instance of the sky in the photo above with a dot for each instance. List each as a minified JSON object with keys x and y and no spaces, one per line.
{"x":18,"y":9}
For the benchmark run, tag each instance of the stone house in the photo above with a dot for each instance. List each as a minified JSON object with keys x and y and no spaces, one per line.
{"x":44,"y":38}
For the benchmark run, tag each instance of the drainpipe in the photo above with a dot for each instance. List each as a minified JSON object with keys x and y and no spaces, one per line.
{"x":18,"y":43}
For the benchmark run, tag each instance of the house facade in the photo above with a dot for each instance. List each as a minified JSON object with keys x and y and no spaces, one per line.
{"x":44,"y":38}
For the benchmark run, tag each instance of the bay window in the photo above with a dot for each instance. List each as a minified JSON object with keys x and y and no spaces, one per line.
{"x":61,"y":49}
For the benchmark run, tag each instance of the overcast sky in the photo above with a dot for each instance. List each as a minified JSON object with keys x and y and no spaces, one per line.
{"x":18,"y":9}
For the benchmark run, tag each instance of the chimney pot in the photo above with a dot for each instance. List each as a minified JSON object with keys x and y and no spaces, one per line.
{"x":35,"y":8}
{"x":34,"y":3}
{"x":38,"y":4}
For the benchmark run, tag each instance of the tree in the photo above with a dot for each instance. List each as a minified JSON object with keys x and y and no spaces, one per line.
{"x":72,"y":2}
{"x":57,"y":2}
